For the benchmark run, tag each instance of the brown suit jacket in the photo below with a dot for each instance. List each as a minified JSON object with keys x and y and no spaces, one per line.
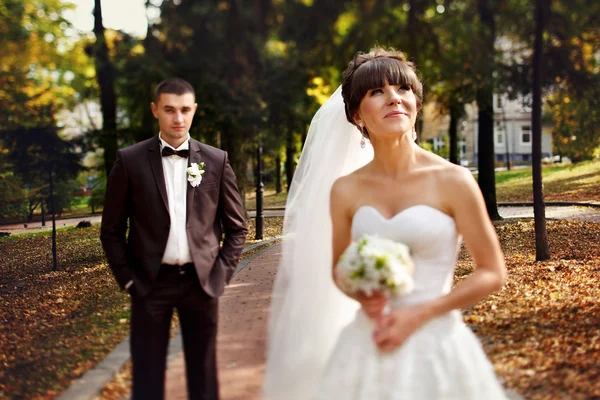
{"x":136,"y":195}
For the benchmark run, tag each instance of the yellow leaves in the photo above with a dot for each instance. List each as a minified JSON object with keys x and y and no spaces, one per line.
{"x":343,"y":25}
{"x":474,"y":318}
{"x":276,"y":48}
{"x":137,"y":50}
{"x":320,"y":91}
{"x":272,"y":228}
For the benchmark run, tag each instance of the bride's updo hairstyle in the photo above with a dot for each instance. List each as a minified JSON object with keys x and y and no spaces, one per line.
{"x":372,"y":70}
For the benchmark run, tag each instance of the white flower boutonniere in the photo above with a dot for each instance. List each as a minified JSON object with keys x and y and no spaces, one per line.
{"x":195,"y":172}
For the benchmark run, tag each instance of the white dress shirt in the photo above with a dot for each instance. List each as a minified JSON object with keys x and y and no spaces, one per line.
{"x":174,"y":167}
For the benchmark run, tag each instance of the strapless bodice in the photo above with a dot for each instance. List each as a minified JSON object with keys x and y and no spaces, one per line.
{"x":433,"y":241}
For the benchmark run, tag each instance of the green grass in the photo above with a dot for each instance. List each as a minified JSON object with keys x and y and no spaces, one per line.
{"x":270,"y":198}
{"x":41,"y":234}
{"x":564,"y":182}
{"x":514,"y":175}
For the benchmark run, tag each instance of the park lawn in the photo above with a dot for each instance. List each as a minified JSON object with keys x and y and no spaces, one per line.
{"x":540,"y":330}
{"x":270,"y":198}
{"x":565,"y":182}
{"x":55,"y":326}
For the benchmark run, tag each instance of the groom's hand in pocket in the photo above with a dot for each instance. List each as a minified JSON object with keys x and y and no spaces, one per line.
{"x":373,"y":304}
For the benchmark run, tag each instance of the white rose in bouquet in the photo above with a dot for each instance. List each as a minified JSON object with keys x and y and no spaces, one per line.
{"x":376,"y":264}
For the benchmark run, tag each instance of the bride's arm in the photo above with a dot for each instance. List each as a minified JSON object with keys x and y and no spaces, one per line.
{"x":341,"y":223}
{"x":470,"y":214}
{"x":479,"y":235}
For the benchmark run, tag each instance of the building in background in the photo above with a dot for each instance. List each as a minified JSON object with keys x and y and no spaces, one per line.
{"x":512,"y":132}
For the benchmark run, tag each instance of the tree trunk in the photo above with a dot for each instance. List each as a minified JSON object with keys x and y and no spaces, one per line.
{"x":507,"y":150}
{"x":453,"y":131}
{"x":506,"y":144}
{"x":542,"y":251}
{"x":413,"y":31}
{"x":32,"y":206}
{"x":43,"y":213}
{"x":485,"y":104}
{"x":237,"y":159}
{"x":290,"y":153}
{"x":106,"y":81}
{"x":278,"y":188}
{"x":54,"y":262}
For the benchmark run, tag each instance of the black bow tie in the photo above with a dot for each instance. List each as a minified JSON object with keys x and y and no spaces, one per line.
{"x":167,"y":151}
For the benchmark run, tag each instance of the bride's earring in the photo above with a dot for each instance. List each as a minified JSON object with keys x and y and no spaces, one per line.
{"x":362,"y":133}
{"x":414,"y":134}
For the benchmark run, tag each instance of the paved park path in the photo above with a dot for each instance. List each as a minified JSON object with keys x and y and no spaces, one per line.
{"x":558,"y":212}
{"x":243,"y":313}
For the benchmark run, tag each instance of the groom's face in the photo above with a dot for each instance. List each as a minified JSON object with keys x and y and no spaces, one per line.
{"x":174,"y":113}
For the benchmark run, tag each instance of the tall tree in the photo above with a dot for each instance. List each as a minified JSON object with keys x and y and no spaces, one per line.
{"x":105,"y":76}
{"x":485,"y":103}
{"x":41,"y":157}
{"x":542,"y":251}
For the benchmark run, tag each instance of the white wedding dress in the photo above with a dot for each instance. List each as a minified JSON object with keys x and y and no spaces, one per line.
{"x":442,"y":360}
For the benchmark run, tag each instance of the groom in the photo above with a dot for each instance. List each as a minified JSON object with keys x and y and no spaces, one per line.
{"x":179,"y":199}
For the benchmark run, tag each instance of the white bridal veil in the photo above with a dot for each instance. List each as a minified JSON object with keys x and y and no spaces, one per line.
{"x":307,"y":310}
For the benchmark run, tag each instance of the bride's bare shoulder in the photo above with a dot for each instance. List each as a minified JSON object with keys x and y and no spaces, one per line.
{"x":346,"y":187}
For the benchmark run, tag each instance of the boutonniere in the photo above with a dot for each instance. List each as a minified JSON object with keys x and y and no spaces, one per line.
{"x":195,"y":172}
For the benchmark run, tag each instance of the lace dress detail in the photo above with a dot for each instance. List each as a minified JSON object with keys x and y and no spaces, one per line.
{"x":442,"y":360}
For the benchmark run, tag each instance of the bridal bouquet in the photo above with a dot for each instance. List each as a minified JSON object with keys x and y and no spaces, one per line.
{"x":376,"y":264}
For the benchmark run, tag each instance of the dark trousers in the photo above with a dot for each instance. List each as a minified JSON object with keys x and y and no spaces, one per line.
{"x":175,"y":288}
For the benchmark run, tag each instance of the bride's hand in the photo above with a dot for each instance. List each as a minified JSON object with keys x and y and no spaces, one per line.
{"x":372,"y":305}
{"x":395,"y":327}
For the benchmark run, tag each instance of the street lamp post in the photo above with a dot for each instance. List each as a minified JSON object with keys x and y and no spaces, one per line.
{"x":260,"y":219}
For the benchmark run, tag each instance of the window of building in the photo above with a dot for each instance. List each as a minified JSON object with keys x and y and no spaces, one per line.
{"x":462,"y":147}
{"x":498,"y":101}
{"x":526,"y":134}
{"x":499,"y":138}
{"x":438,"y":143}
{"x":499,"y":134}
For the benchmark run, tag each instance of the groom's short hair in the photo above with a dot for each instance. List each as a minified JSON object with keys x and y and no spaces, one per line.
{"x":176,"y":86}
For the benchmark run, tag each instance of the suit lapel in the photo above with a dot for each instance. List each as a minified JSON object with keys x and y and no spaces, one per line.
{"x":155,"y":159}
{"x":195,"y":157}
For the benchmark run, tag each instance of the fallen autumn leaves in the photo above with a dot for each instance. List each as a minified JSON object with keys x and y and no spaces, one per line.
{"x":542,"y":331}
{"x":55,"y":325}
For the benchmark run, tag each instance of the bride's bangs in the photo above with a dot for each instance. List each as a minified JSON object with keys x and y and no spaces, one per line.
{"x":375,"y":73}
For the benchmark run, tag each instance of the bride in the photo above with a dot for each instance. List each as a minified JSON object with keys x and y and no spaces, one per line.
{"x":326,"y":344}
